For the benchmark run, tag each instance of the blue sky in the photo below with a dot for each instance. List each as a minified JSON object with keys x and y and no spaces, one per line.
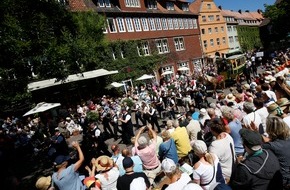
{"x":251,"y":5}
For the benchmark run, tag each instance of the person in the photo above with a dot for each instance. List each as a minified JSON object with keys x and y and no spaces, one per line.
{"x":151,"y":164}
{"x":96,"y":140}
{"x":167,"y":149}
{"x":206,"y":169}
{"x":153,"y":116}
{"x":108,"y":173}
{"x":44,"y":183}
{"x":138,"y":165}
{"x":278,"y":142}
{"x":159,"y":140}
{"x":193,"y":127}
{"x":260,"y":169}
{"x":59,"y":145}
{"x":233,"y":127}
{"x":181,"y":140}
{"x":252,"y":116}
{"x":117,"y":157}
{"x":132,"y":180}
{"x":138,"y":114}
{"x":127,"y":126}
{"x":177,"y":179}
{"x":105,"y":119}
{"x":223,"y":147}
{"x":66,"y":177}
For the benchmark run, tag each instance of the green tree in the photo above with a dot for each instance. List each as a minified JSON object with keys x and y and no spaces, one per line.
{"x":279,"y":16}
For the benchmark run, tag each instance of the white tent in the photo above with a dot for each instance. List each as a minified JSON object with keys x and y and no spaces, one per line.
{"x":144,"y":77}
{"x":41,"y":107}
{"x":167,"y":73}
{"x":71,"y":78}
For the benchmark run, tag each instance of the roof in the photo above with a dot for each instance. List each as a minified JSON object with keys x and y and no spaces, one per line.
{"x":195,"y":6}
{"x":71,"y":78}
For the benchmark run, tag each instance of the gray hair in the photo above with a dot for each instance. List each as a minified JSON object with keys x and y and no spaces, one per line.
{"x":175,"y":123}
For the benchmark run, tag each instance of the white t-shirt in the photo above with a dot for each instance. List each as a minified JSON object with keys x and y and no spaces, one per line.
{"x":252,"y":117}
{"x":179,"y":184}
{"x":192,"y":186}
{"x":111,"y":182}
{"x":263,"y":113}
{"x":222,"y":149}
{"x":204,"y":173}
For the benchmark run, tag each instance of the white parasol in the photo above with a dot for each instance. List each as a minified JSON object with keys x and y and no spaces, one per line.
{"x":41,"y":107}
{"x":116,"y":84}
{"x":183,"y":69}
{"x":167,"y":73}
{"x":144,"y":77}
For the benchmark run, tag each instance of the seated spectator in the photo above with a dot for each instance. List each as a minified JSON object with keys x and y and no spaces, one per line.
{"x":260,"y":169}
{"x":167,"y":149}
{"x":138,"y":165}
{"x":44,"y":183}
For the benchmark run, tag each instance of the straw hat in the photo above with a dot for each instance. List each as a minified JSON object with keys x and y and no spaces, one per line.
{"x":104,"y":163}
{"x":274,"y":109}
{"x":283,"y":103}
{"x":230,"y":98}
{"x":43,"y":183}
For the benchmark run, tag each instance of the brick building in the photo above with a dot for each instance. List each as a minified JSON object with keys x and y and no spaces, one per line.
{"x":165,"y":26}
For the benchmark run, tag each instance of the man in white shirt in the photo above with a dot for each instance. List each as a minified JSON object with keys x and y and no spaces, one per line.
{"x":251,"y":116}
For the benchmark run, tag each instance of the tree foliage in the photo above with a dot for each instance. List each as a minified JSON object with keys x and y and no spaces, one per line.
{"x":279,"y":16}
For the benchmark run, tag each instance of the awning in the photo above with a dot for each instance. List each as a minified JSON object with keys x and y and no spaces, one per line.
{"x":41,"y":107}
{"x":183,"y":69}
{"x":167,"y":73}
{"x":71,"y":78}
{"x":116,"y":84}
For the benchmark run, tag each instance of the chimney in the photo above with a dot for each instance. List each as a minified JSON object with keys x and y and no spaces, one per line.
{"x":220,"y":7}
{"x":259,"y":11}
{"x":240,"y":11}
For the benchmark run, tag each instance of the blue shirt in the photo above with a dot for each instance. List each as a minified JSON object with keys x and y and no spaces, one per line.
{"x":68,"y":179}
{"x":195,"y":116}
{"x":235,"y":127}
{"x":171,"y":153}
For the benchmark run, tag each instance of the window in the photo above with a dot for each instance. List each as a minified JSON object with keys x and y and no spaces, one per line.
{"x":203,"y":18}
{"x":190,"y":23}
{"x":112,"y":25}
{"x":231,"y":39}
{"x":194,"y":23}
{"x":104,"y":3}
{"x":144,"y":24}
{"x":185,"y":22}
{"x":151,"y":24}
{"x":175,"y":23}
{"x":210,"y":18}
{"x":137,"y":24}
{"x":170,"y":6}
{"x":203,"y":31}
{"x":218,"y":17}
{"x":211,"y":42}
{"x":152,"y":4}
{"x":170,"y":23}
{"x":158,"y":24}
{"x":222,"y":29}
{"x":164,"y":24}
{"x":224,"y":40}
{"x":229,"y":28}
{"x":143,"y":48}
{"x":205,"y":44}
{"x":209,"y":30}
{"x":162,"y":46}
{"x":179,"y":44}
{"x":129,"y":24}
{"x":234,"y":28}
{"x":216,"y":29}
{"x":236,"y":38}
{"x":180,"y":22}
{"x":184,"y":7}
{"x":132,"y":3}
{"x":208,"y":6}
{"x":218,"y":41}
{"x":121,"y":25}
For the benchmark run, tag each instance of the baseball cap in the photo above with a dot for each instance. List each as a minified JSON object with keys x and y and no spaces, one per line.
{"x":127,"y":162}
{"x":168,"y":165}
{"x":251,"y":139}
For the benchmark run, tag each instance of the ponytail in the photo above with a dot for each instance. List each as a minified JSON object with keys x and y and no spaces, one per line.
{"x":209,"y":158}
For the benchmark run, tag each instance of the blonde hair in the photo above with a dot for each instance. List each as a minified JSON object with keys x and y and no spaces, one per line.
{"x":277,"y":128}
{"x":209,"y":158}
{"x":228,"y":113}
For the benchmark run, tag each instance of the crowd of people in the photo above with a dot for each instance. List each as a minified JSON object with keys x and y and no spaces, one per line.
{"x":175,"y":138}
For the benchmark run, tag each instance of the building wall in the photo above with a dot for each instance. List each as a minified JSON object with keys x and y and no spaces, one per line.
{"x":233,"y":37}
{"x":210,"y":18}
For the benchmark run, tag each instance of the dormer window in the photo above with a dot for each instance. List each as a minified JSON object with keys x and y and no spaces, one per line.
{"x":170,"y":6}
{"x":104,"y":3}
{"x":132,"y":3}
{"x":152,"y":4}
{"x":185,"y":7}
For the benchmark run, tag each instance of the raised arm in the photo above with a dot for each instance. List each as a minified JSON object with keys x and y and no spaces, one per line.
{"x":78,"y":164}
